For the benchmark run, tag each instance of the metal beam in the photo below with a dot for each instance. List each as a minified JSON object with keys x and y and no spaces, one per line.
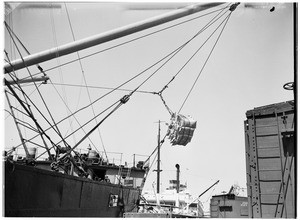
{"x":104,"y":37}
{"x":44,"y":79}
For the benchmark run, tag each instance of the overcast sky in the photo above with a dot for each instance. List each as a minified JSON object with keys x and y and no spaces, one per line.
{"x":251,"y":62}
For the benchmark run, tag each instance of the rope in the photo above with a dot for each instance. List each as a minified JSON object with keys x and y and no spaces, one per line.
{"x":84,"y":78}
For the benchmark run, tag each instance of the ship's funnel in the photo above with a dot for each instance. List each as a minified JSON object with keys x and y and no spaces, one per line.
{"x":177,"y":177}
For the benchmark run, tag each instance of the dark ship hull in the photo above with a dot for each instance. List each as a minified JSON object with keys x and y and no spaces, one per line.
{"x":34,"y":192}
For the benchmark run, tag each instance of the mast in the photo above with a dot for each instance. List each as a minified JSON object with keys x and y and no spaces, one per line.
{"x":104,"y":37}
{"x":158,"y":170}
{"x":158,"y":159}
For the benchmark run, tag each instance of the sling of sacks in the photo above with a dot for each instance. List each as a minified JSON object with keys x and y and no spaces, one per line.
{"x":181,"y":129}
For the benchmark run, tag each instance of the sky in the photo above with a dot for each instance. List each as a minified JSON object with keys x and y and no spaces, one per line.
{"x":248,"y":67}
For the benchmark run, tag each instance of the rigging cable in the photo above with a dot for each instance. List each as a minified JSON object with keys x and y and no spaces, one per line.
{"x":29,"y":112}
{"x":87,"y":134}
{"x":57,"y":54}
{"x":41,"y":131}
{"x":133,"y":78}
{"x":118,"y":88}
{"x":102,"y":87}
{"x":70,"y":120}
{"x":55,"y":125}
{"x":73,"y":115}
{"x":84,"y":78}
{"x":13,"y":74}
{"x":112,"y":91}
{"x":31,"y":115}
{"x":38,"y":68}
{"x":28,"y":95}
{"x":174,"y":52}
{"x":20,"y":42}
{"x":81,"y":127}
{"x":122,"y":85}
{"x":205,"y":63}
{"x":11,"y":47}
{"x":8,"y":60}
{"x":161,"y":143}
{"x":18,"y":128}
{"x":93,"y":118}
{"x":179,"y":71}
{"x":124,"y":100}
{"x":121,"y":102}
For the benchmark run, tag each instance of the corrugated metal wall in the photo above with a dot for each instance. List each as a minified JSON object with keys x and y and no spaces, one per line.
{"x":270,"y":161}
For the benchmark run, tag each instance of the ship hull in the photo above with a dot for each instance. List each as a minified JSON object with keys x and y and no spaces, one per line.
{"x":34,"y":192}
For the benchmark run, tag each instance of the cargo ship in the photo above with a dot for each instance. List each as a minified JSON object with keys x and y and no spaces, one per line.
{"x":34,"y":190}
{"x":181,"y":204}
{"x":52,"y":177}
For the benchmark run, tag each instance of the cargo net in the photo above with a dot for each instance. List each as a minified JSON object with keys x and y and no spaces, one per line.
{"x":181,"y":129}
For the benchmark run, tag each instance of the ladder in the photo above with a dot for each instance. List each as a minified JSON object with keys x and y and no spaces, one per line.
{"x":124,"y":172}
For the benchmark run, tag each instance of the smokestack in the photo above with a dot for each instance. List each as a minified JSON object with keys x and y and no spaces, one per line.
{"x":177,"y":177}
